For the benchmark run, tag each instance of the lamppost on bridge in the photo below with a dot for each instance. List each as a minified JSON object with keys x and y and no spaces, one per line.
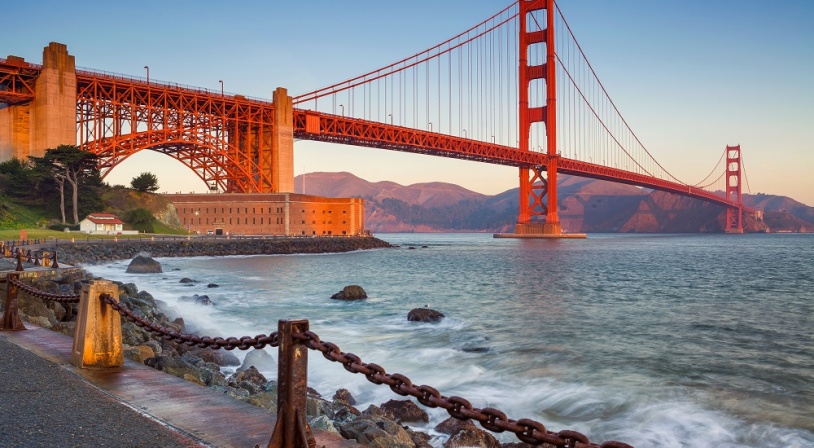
{"x":147,"y":67}
{"x":342,"y":107}
{"x":221,"y":87}
{"x":391,"y":119}
{"x":464,"y":133}
{"x":430,"y":126}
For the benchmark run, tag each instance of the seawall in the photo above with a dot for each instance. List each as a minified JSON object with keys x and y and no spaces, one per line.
{"x":97,"y":252}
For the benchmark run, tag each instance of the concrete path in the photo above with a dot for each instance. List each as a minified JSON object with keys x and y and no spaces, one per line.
{"x":46,"y":401}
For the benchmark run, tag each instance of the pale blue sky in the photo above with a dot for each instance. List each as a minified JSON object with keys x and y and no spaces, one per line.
{"x":690,"y":77}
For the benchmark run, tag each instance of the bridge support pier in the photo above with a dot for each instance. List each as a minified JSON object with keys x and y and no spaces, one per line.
{"x":49,"y":119}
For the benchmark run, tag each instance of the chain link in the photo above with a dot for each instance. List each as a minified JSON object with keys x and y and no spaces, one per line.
{"x":231,"y":343}
{"x":528,"y":431}
{"x":62,"y":298}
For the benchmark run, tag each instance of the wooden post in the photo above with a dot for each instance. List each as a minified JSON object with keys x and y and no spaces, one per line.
{"x":98,"y":338}
{"x":292,"y":430}
{"x":11,"y":320}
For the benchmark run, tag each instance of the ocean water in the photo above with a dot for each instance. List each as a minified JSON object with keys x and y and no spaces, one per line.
{"x":653,"y":340}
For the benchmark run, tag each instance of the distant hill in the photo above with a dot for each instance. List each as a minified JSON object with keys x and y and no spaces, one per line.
{"x":586,"y":205}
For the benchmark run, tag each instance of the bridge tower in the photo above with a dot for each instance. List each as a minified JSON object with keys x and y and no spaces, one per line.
{"x":538,"y":194}
{"x":45,"y":116}
{"x":734,"y":216}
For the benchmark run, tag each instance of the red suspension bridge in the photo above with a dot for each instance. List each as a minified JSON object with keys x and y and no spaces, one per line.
{"x":515,"y":89}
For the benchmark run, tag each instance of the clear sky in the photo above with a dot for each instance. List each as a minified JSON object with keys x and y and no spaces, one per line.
{"x":690,"y":77}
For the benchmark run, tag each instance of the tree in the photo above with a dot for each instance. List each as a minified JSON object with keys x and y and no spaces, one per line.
{"x":145,"y":182}
{"x":67,"y":163}
{"x":141,"y":219}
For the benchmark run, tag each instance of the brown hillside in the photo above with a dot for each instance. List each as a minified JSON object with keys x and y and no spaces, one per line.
{"x":433,"y":194}
{"x":586,"y":205}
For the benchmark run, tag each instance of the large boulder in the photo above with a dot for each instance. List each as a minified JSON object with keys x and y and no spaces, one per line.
{"x":350,"y":292}
{"x":465,"y":434}
{"x":403,"y":411}
{"x":143,"y":263}
{"x":374,"y":429}
{"x":344,"y":395}
{"x":424,"y":315}
{"x":260,"y":359}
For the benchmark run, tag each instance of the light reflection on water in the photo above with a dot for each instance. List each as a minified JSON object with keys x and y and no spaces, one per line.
{"x":662,"y":340}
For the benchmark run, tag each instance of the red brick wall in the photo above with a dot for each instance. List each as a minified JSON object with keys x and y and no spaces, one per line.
{"x":269,"y":214}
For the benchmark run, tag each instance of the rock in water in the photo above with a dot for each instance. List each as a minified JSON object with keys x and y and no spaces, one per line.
{"x":202,"y":299}
{"x":424,"y":315}
{"x":144,"y":264}
{"x":402,"y":411}
{"x":350,"y":292}
{"x":260,"y":359}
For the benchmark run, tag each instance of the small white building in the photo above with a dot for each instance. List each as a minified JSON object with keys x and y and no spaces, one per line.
{"x":106,"y":223}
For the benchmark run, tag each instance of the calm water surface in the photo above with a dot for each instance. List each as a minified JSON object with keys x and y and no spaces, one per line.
{"x":658,"y":341}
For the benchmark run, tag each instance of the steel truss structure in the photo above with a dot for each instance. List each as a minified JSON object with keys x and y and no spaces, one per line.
{"x":226,"y":141}
{"x":17,"y":79}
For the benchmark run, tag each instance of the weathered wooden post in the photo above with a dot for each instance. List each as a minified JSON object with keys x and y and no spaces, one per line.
{"x":19,"y":267}
{"x":292,"y":429}
{"x":11,"y":320}
{"x":97,"y":341}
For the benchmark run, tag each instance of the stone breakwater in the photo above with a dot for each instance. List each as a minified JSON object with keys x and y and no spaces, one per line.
{"x":99,"y":252}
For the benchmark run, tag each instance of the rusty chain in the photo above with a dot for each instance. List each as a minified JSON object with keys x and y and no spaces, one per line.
{"x":62,"y":298}
{"x":231,"y":343}
{"x":528,"y":431}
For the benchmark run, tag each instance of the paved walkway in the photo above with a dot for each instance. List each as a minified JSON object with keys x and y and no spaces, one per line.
{"x":45,"y":401}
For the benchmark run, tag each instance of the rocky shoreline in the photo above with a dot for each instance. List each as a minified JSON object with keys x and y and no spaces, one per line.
{"x":108,"y":250}
{"x":390,"y":424}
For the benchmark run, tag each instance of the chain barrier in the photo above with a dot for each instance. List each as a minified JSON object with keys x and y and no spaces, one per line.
{"x":62,"y":298}
{"x":231,"y":343}
{"x":528,"y":431}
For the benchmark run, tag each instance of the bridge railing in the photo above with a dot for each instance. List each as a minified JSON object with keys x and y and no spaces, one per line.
{"x":97,"y":343}
{"x":165,"y":84}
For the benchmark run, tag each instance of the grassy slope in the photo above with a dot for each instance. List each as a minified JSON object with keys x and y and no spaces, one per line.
{"x":15,"y":216}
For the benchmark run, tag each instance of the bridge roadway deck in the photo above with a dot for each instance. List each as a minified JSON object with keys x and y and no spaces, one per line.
{"x":46,"y":401}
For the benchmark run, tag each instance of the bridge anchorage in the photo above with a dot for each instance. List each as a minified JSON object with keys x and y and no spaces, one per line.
{"x":503,"y":92}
